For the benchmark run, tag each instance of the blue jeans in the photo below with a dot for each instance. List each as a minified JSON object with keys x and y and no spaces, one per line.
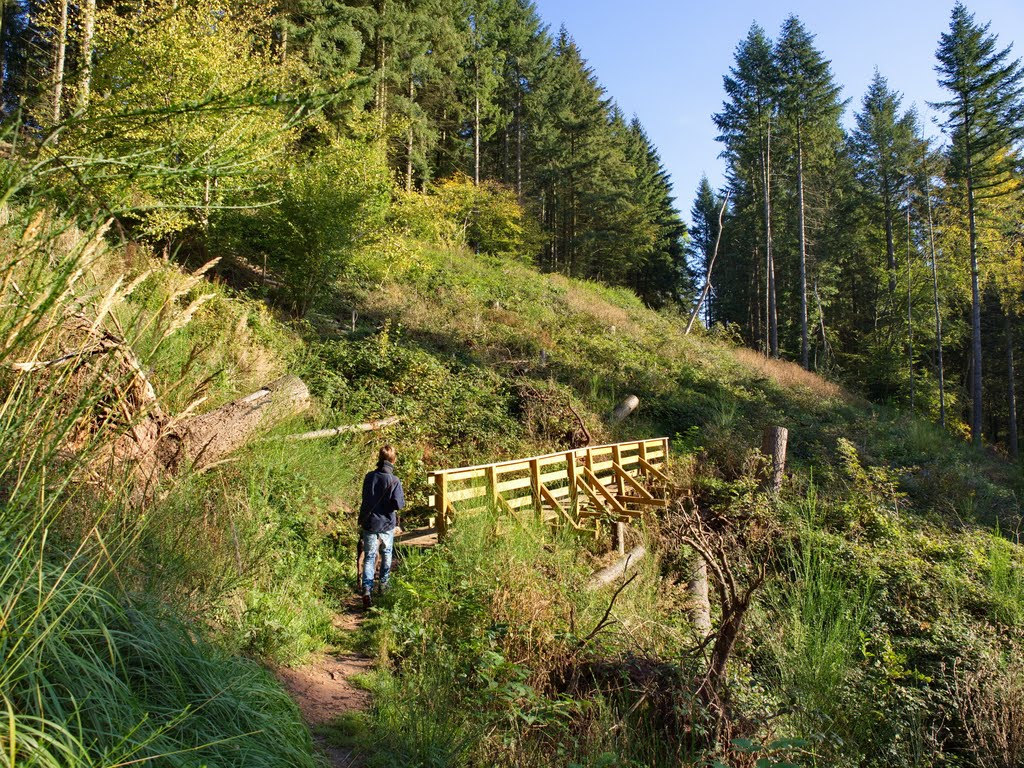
{"x":371,"y":542}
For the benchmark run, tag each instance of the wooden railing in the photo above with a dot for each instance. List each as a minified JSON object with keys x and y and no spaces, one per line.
{"x":575,"y":487}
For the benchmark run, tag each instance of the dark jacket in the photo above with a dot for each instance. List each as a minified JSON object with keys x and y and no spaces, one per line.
{"x":382,"y":497}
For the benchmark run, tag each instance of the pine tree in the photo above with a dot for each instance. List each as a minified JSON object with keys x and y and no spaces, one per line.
{"x":985,"y":118}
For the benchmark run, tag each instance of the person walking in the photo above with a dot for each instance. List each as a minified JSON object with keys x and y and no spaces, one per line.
{"x":382,"y":498}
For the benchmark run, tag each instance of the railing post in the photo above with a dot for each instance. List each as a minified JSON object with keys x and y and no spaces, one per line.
{"x":492,"y":486}
{"x":619,"y":528}
{"x":441,"y":503}
{"x":570,"y":471}
{"x":538,"y":507}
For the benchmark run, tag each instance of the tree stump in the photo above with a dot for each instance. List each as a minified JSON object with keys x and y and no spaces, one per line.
{"x":773,"y":445}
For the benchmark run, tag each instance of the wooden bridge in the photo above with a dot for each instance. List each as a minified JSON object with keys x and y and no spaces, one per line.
{"x":580,"y":487}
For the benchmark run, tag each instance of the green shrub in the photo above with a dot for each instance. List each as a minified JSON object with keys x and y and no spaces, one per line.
{"x":333,"y":203}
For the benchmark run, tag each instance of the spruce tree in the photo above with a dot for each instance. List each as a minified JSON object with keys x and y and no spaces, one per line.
{"x":810,"y":107}
{"x":985,"y":119}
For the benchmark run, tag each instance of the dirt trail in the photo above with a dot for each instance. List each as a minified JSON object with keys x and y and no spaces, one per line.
{"x":324,"y":692}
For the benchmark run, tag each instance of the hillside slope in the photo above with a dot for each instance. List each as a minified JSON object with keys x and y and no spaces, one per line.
{"x":888,"y":633}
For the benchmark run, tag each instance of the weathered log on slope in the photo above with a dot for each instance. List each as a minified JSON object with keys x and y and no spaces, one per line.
{"x":616,"y":570}
{"x":201,"y":440}
{"x":624,"y":409}
{"x":367,"y":426}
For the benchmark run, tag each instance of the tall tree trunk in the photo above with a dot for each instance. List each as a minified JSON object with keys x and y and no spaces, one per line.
{"x":802,"y":223}
{"x":519,"y":144}
{"x":938,"y":314}
{"x":976,"y":406}
{"x":1011,"y":386}
{"x":409,"y":139}
{"x":58,"y":69}
{"x":910,"y":312}
{"x":773,"y":315}
{"x":476,"y":123}
{"x":88,"y":33}
{"x":890,"y":240}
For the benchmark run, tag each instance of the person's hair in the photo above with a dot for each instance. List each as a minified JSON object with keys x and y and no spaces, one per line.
{"x":387,"y":453}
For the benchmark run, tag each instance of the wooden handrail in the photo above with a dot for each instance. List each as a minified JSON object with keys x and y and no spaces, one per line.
{"x":607,"y":479}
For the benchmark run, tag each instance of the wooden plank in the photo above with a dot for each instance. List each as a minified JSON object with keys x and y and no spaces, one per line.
{"x":643,"y":502}
{"x":520,"y":501}
{"x":617,"y":468}
{"x":601,"y":509}
{"x":521,"y":464}
{"x":514,"y":484}
{"x":467,"y":493}
{"x":626,"y":479}
{"x":571,"y":473}
{"x":455,"y":475}
{"x":442,"y":504}
{"x":599,"y":487}
{"x":651,"y":471}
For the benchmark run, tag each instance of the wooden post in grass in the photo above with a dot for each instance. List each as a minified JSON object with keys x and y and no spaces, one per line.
{"x":773,"y":446}
{"x":619,"y":528}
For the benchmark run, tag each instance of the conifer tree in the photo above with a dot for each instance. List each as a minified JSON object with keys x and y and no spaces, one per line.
{"x":985,"y":118}
{"x":810,"y":108}
{"x":747,"y":123}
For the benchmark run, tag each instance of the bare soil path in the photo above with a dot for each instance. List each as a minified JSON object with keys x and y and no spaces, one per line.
{"x":323,"y":687}
{"x":324,"y":691}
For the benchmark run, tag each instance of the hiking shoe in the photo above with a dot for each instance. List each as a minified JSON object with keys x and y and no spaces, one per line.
{"x":366,"y":599}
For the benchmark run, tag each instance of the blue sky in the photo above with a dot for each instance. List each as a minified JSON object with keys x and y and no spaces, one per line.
{"x":663,"y":60}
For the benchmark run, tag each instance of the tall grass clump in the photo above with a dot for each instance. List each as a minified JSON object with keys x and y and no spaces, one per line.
{"x":1005,"y":582}
{"x":92,"y":673}
{"x":821,"y":611}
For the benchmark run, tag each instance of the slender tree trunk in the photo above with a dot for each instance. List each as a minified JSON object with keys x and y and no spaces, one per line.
{"x":976,"y":405}
{"x":910,"y":312}
{"x":88,"y":33}
{"x":1011,"y":387}
{"x":519,"y":144}
{"x":938,"y":314}
{"x":711,"y":265}
{"x":409,"y":140}
{"x":58,"y":69}
{"x":890,"y":240}
{"x":773,"y":315}
{"x":284,"y":40}
{"x":476,"y":124}
{"x":802,"y":223}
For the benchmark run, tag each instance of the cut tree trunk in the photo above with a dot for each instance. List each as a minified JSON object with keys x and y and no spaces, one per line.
{"x":202,"y":440}
{"x":699,"y":608}
{"x":624,"y":409}
{"x":616,"y":570}
{"x":773,"y":446}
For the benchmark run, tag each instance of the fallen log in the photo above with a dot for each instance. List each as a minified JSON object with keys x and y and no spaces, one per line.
{"x":616,"y":570}
{"x":366,"y":426}
{"x":623,"y":409}
{"x":201,"y":440}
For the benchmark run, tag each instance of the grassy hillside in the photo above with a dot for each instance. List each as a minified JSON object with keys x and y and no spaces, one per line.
{"x":889,"y":630}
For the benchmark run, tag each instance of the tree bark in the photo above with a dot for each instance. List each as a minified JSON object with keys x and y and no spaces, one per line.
{"x":616,"y":570}
{"x":711,"y":265}
{"x":1011,"y":388}
{"x":910,"y":311}
{"x":699,"y":608}
{"x":202,"y":440}
{"x":58,"y":69}
{"x":802,"y":223}
{"x":938,"y":314}
{"x":88,"y":33}
{"x":773,"y":315}
{"x":773,"y":445}
{"x":624,"y":409}
{"x":976,"y":406}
